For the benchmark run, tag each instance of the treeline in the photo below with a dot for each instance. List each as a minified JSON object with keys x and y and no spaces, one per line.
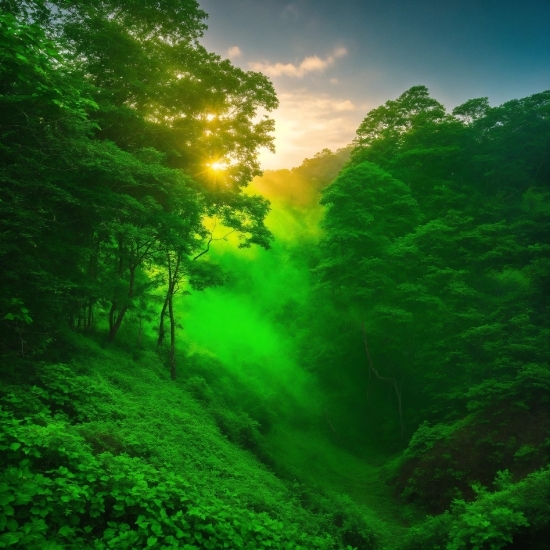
{"x":436,"y":242}
{"x":125,"y":146}
{"x":436,"y":236}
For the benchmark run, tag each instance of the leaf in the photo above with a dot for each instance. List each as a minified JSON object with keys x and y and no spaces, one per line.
{"x":66,"y":531}
{"x":6,"y":498}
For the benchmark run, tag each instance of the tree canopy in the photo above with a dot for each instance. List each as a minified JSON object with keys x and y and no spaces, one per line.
{"x":436,"y":236}
{"x":121,"y":138}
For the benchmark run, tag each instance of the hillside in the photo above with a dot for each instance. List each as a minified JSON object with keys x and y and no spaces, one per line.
{"x":104,"y":451}
{"x":349,"y":354}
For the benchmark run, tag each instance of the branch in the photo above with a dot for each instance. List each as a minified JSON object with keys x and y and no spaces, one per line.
{"x":212,"y":239}
{"x":330,"y":423}
{"x":390,"y":381}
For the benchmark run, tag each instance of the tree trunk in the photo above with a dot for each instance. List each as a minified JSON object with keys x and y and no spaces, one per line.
{"x":114,"y":324}
{"x":117,"y":323}
{"x":93,"y":268}
{"x":391,"y":381}
{"x":173,"y":275}
{"x":172,"y":339}
{"x":162,"y":315}
{"x":112,"y":312}
{"x":90,"y":314}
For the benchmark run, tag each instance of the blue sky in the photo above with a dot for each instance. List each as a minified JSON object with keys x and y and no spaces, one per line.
{"x":331,"y":61}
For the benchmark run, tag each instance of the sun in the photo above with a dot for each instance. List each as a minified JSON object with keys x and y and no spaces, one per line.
{"x":218,"y":166}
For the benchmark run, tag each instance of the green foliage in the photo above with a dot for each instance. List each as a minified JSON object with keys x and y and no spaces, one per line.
{"x":387,"y":123}
{"x":107,"y":453}
{"x":114,"y":118}
{"x":493,"y":520}
{"x":366,"y":210}
{"x":425,"y":437}
{"x":102,"y":207}
{"x":443,"y":462}
{"x":18,"y":312}
{"x":438,"y":254}
{"x":58,"y":492}
{"x":233,"y":422}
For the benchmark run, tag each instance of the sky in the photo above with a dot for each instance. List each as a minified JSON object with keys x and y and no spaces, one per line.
{"x":331,"y":61}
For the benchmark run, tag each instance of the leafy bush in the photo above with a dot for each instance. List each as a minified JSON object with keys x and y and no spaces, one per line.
{"x":425,"y":437}
{"x":493,"y":520}
{"x":55,"y":492}
{"x":445,"y":461}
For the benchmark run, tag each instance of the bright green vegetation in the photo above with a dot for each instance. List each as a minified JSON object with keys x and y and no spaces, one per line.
{"x":106,"y":452}
{"x":349,"y":354}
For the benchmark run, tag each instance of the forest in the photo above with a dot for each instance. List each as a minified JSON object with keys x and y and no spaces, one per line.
{"x":349,"y":354}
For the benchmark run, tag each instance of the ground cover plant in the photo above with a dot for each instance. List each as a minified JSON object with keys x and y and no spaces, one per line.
{"x":106,"y":452}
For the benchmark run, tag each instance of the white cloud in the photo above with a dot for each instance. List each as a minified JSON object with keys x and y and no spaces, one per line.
{"x":346,"y":105}
{"x":234,"y":52}
{"x":306,"y":123}
{"x":308,"y":65}
{"x":340,"y":52}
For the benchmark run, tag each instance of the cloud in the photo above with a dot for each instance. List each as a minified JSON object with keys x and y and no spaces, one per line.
{"x":291,"y":10}
{"x":308,"y":65}
{"x":234,"y":52}
{"x":334,"y":81}
{"x":340,"y":52}
{"x":306,"y":123}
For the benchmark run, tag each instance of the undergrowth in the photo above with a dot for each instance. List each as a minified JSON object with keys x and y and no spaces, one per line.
{"x":514,"y":515}
{"x":105,"y":451}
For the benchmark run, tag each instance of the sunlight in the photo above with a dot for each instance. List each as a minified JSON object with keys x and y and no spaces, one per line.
{"x":218,"y":166}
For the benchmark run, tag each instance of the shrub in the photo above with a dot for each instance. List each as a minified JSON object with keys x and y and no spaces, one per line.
{"x":493,"y":520}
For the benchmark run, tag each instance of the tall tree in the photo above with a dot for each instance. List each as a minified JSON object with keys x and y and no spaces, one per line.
{"x":435,"y":236}
{"x":124,"y":131}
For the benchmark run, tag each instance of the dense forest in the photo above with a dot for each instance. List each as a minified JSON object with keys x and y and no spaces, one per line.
{"x":351,"y":354}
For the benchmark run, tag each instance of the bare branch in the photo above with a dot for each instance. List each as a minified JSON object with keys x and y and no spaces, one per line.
{"x":211,"y":239}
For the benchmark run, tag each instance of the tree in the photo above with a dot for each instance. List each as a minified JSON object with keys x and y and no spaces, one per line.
{"x":120,"y":130}
{"x":472,"y":109}
{"x":158,"y":87}
{"x":378,"y":136}
{"x":367,"y":209}
{"x":424,"y":232}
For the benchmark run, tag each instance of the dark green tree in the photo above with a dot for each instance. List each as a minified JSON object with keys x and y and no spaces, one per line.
{"x":107,"y":146}
{"x":435,"y":236}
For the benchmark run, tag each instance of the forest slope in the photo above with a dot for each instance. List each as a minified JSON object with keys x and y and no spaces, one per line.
{"x":106,"y":452}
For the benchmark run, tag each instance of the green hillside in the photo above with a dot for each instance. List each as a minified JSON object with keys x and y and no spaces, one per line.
{"x":349,"y":354}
